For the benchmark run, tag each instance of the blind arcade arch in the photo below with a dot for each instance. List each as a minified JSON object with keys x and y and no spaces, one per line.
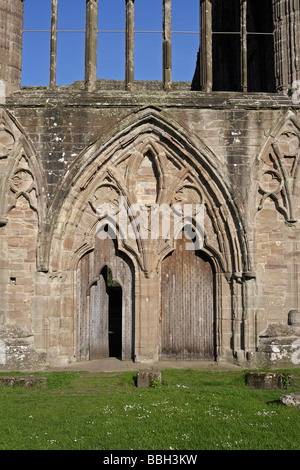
{"x":230,"y":57}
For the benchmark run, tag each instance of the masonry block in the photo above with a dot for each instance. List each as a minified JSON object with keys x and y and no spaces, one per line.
{"x":146,"y":378}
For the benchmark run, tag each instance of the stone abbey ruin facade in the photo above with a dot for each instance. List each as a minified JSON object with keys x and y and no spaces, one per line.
{"x":227,"y":142}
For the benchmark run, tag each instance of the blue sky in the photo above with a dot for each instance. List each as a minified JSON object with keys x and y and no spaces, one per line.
{"x":111,"y":46}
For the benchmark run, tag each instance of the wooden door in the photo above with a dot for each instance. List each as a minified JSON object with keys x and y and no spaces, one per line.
{"x":99,"y":305}
{"x":93,"y":301}
{"x":187,"y":305}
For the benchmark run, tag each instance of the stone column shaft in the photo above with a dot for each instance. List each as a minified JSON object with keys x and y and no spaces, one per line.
{"x":91,"y":36}
{"x":167,"y":43}
{"x":205,"y":56}
{"x":244,"y":60}
{"x":11,"y":38}
{"x":53,"y":45}
{"x":129,"y":71}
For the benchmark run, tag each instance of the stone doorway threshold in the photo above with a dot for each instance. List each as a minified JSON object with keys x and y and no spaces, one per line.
{"x":113,"y":364}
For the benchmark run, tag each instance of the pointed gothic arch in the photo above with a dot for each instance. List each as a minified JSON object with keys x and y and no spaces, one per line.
{"x":186,"y":172}
{"x":173,"y":147}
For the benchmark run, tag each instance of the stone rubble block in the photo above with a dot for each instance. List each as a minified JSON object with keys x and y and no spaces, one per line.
{"x":146,"y":378}
{"x":269,"y":380}
{"x":291,"y":399}
{"x":27,"y":381}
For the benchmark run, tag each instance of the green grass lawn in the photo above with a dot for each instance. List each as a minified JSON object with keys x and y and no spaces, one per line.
{"x":191,"y":410}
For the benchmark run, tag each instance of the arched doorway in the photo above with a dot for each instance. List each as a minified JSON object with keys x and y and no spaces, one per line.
{"x":187,"y":305}
{"x":115,"y":297}
{"x":105,"y":307}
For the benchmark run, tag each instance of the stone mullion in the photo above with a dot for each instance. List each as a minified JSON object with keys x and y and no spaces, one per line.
{"x":244,"y":68}
{"x":91,"y":36}
{"x":167,"y":44}
{"x":206,"y":74}
{"x":129,"y":67}
{"x":53,"y":44}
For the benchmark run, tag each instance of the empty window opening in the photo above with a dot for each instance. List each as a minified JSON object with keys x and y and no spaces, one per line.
{"x":70,"y":57}
{"x":185,"y":38}
{"x":70,"y":41}
{"x":110,"y":57}
{"x":35,"y":59}
{"x":69,"y":61}
{"x":148,"y":40}
{"x":259,"y":16}
{"x":243,"y":46}
{"x":111,"y":40}
{"x":36,"y":43}
{"x":260,"y":46}
{"x":226,"y":45}
{"x":226,"y":16}
{"x":226,"y":62}
{"x":114,"y":292}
